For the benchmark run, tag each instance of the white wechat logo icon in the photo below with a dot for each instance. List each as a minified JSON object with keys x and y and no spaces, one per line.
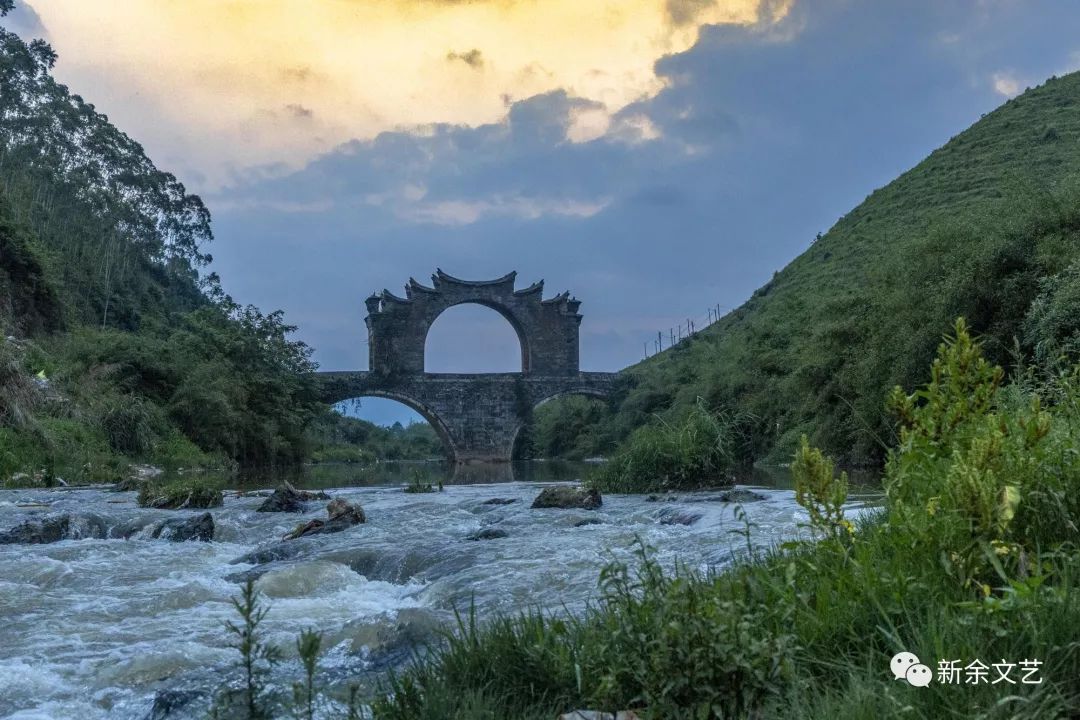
{"x":906,"y":666}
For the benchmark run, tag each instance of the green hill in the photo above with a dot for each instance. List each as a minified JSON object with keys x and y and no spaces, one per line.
{"x":116,"y":346}
{"x":987,"y":227}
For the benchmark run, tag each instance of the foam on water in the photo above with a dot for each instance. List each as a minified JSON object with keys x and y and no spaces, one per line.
{"x":93,"y":628}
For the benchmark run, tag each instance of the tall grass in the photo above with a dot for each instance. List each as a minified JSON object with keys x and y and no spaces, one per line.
{"x":696,"y":452}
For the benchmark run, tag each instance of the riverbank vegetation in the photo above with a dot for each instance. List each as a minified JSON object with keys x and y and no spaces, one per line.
{"x":972,"y":561}
{"x":195,"y":491}
{"x":701,"y":450}
{"x":340,"y":438}
{"x":987,"y":227}
{"x":116,"y":344}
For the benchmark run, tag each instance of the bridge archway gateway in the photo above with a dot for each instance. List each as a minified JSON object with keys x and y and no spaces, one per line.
{"x":477,"y":415}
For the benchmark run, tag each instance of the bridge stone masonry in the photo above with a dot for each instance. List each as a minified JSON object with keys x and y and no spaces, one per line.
{"x":478,"y":416}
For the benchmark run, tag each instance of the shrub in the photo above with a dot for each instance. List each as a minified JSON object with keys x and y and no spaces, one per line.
{"x":177,"y":452}
{"x":694,"y":453}
{"x":131,"y":424}
{"x":417,"y":484}
{"x":184,"y":492}
{"x":819,"y":492}
{"x":966,"y":463}
{"x":256,"y":655}
{"x":18,"y":393}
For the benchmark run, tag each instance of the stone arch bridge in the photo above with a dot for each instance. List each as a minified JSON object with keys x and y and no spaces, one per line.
{"x":478,"y":416}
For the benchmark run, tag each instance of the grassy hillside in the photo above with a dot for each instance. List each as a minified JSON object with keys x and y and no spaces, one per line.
{"x":987,"y":227}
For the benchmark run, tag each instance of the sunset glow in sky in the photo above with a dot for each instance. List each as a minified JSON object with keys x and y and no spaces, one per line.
{"x":653,"y":157}
{"x":252,"y":82}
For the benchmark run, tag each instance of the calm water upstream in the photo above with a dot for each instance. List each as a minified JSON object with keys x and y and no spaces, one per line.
{"x":96,"y":628}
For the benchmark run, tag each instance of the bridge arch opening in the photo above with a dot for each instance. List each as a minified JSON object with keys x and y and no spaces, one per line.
{"x":564,"y":426}
{"x":384,"y":428}
{"x":473,"y":337}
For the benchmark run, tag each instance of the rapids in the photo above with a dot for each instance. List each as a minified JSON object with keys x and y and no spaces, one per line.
{"x":96,"y":628}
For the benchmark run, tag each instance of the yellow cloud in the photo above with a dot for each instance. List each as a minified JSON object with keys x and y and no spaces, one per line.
{"x":219,"y":85}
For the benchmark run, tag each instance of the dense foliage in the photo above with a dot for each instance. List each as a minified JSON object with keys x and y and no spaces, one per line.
{"x":700,"y":450}
{"x":982,"y":489}
{"x":116,"y":348}
{"x":987,"y":227}
{"x":340,"y":438}
{"x":566,"y":428}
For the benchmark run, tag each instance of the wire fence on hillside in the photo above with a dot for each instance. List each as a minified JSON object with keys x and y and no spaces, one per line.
{"x":683,"y":331}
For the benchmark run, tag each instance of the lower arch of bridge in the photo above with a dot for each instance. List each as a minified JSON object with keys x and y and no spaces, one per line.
{"x":479,"y":416}
{"x":427,"y":413}
{"x":597,"y":394}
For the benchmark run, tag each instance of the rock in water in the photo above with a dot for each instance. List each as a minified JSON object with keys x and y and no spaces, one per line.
{"x":49,"y":530}
{"x":565,"y":497}
{"x":197,"y":527}
{"x":342,"y":509}
{"x":499,"y":501}
{"x":487,"y":534}
{"x":674,"y":516}
{"x":54,"y":529}
{"x":171,"y":703}
{"x":342,"y":515}
{"x":741,"y":496}
{"x":286,"y":498}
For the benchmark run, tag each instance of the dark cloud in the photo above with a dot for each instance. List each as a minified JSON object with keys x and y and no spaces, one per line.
{"x":473,"y":58}
{"x":299,"y":74}
{"x":683,"y":12}
{"x":764,"y":140}
{"x":299,"y":111}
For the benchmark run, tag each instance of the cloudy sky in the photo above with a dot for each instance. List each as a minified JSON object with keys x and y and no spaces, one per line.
{"x":654,"y":157}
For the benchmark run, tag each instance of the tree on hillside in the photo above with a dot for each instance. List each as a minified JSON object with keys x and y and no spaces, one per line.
{"x":63,"y":163}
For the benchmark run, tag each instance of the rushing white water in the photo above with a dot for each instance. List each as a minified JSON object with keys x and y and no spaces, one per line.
{"x":94,"y":628}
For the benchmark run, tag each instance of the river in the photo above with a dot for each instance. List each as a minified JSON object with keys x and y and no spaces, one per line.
{"x":96,"y":628}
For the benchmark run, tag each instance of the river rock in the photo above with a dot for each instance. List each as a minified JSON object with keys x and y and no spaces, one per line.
{"x":588,"y":521}
{"x":666,"y":497}
{"x":488,"y":534}
{"x":499,"y":501}
{"x":389,"y":643}
{"x":675,"y":516}
{"x":741,"y":496}
{"x":196,"y":527}
{"x":54,"y":529}
{"x":566,"y":497}
{"x":172,"y":703}
{"x":286,"y":498}
{"x":49,"y":530}
{"x":270,"y":554}
{"x":342,"y":516}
